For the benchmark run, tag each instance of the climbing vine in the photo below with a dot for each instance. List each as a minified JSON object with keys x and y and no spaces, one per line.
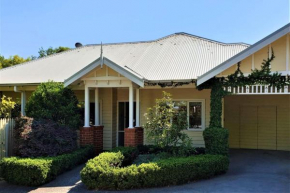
{"x":217,"y":93}
{"x":167,"y":84}
{"x":262,"y":76}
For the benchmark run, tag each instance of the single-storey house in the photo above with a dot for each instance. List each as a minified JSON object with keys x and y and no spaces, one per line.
{"x":119,"y":81}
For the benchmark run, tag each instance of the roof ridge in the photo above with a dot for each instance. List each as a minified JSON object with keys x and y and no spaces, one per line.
{"x":211,"y":40}
{"x":168,"y":36}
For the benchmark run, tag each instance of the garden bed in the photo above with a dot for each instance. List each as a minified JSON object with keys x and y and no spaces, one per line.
{"x":115,"y":171}
{"x":38,"y":171}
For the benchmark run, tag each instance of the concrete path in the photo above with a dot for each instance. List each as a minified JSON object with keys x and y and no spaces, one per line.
{"x":250,"y":171}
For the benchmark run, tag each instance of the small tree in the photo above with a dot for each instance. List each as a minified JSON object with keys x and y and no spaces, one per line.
{"x":6,"y":106}
{"x":42,"y":52}
{"x":51,"y":100}
{"x":164,"y":125}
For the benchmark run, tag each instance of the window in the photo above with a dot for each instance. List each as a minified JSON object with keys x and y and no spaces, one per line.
{"x":194,"y":115}
{"x":195,"y":110}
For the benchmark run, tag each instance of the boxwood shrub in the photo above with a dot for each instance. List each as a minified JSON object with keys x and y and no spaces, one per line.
{"x":216,"y":140}
{"x":129,"y":153}
{"x":38,"y":171}
{"x":105,"y":171}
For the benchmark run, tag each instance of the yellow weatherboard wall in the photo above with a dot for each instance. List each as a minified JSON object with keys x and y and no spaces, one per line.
{"x":258,"y":122}
{"x":246,"y":65}
{"x":255,"y":60}
{"x":279,"y":47}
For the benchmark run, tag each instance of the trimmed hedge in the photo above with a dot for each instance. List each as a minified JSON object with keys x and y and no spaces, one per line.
{"x":216,"y":140}
{"x":129,"y":153}
{"x":104,"y":171}
{"x":38,"y":171}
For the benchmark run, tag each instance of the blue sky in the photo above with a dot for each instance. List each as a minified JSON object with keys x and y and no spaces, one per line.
{"x":28,"y":25}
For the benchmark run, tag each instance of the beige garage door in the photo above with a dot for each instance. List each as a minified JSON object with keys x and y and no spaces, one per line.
{"x":257,"y":126}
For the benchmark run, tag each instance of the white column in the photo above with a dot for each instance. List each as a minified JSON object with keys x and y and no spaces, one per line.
{"x":23,"y":103}
{"x":87,"y":107}
{"x":131,"y":106}
{"x":97,"y":113}
{"x":137,"y":108}
{"x":287,"y":53}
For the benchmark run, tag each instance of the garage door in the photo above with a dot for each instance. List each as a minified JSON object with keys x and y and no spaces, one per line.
{"x":257,"y":126}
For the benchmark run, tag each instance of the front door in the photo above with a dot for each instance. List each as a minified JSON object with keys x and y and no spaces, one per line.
{"x":123,"y":113}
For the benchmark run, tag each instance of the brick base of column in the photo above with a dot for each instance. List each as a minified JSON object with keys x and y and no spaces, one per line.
{"x":98,"y":138}
{"x":92,"y":136}
{"x":139,"y":135}
{"x":86,"y":136}
{"x":133,"y":136}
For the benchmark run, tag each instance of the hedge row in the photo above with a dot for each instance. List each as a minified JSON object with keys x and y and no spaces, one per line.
{"x":131,"y":153}
{"x":38,"y":171}
{"x":105,"y":171}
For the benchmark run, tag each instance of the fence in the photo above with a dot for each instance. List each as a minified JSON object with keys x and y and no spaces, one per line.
{"x":6,"y":137}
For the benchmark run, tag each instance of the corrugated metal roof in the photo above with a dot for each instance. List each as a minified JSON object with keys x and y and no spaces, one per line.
{"x":175,"y":57}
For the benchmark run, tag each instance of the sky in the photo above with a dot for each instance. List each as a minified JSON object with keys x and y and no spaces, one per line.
{"x":26,"y":26}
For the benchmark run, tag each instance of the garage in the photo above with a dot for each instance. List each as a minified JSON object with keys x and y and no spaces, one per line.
{"x":258,"y":121}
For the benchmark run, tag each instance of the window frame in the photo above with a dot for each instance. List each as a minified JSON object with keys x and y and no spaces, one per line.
{"x":187,"y":112}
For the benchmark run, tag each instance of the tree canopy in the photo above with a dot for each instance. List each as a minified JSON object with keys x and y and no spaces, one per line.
{"x":14,"y":60}
{"x":42,"y":52}
{"x":6,"y":106}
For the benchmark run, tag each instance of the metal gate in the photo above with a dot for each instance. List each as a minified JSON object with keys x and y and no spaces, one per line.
{"x":6,"y":137}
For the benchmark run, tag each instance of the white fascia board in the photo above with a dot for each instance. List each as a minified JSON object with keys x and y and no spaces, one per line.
{"x":125,"y":72}
{"x":244,"y":54}
{"x":82,"y":72}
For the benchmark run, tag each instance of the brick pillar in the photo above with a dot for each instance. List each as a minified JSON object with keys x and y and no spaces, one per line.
{"x":133,"y":136}
{"x":92,"y":136}
{"x":98,"y":138}
{"x":139,"y":135}
{"x":86,"y":136}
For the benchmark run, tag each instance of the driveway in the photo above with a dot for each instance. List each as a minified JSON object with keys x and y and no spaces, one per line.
{"x":250,"y":171}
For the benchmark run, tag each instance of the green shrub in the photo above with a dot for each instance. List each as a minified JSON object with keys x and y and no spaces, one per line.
{"x":104,"y":171}
{"x":164,"y":125}
{"x":37,"y":171}
{"x":6,"y":106}
{"x":147,"y":158}
{"x":149,"y":149}
{"x":130,"y":154}
{"x":175,"y":151}
{"x":216,"y":140}
{"x":51,"y":100}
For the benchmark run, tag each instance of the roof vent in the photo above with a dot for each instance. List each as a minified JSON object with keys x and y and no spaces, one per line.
{"x":78,"y":44}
